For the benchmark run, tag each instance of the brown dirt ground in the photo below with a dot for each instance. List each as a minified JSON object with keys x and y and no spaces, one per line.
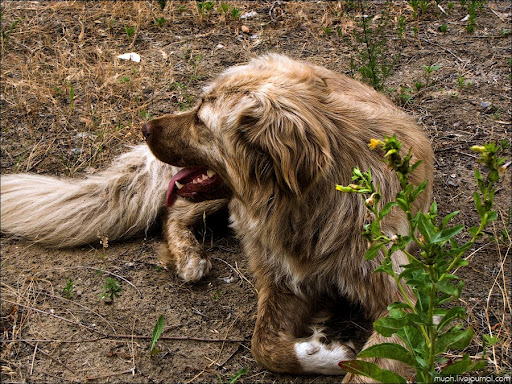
{"x":68,"y":106}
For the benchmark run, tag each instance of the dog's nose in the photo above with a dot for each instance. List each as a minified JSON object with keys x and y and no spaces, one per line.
{"x":146,"y":131}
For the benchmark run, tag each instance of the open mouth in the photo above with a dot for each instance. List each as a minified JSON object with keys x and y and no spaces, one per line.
{"x":198,"y":184}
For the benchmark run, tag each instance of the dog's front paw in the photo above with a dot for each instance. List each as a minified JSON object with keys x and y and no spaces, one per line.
{"x":317,"y":357}
{"x":195,"y":269}
{"x":189,"y":264}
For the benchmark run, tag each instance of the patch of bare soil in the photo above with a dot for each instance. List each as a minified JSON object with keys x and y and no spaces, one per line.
{"x":68,"y":106}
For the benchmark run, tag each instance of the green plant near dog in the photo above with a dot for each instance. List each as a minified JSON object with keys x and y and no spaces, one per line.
{"x":372,"y":58}
{"x":184,"y":98}
{"x":327,"y":30}
{"x":204,"y":8}
{"x":69,"y":289}
{"x":130,"y":31}
{"x":146,"y":115}
{"x":235,"y":13}
{"x":462,"y":82}
{"x":71,"y":96}
{"x":6,"y":33}
{"x":424,"y":4}
{"x":401,"y":26}
{"x":162,"y":4}
{"x":414,"y":5}
{"x":424,"y":322}
{"x":160,"y":21}
{"x":428,"y":71}
{"x":241,"y":372}
{"x":111,"y":289}
{"x":472,"y":8}
{"x":157,"y":332}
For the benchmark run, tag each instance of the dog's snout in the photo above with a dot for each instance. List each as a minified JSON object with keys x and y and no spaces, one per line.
{"x":146,"y":130}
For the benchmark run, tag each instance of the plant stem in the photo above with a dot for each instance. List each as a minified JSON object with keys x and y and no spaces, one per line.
{"x":432,"y":326}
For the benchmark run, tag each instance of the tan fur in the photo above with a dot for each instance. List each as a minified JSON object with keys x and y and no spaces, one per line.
{"x":282,"y":133}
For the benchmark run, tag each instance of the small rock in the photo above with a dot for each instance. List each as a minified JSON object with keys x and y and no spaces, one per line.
{"x":228,"y":279}
{"x":85,"y":135}
{"x":132,"y":56}
{"x":248,"y":15}
{"x":245,"y":29}
{"x":485,"y":104}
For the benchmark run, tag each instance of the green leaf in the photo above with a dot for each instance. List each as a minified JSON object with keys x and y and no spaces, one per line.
{"x":454,"y":339}
{"x":412,"y":336}
{"x":426,"y":227}
{"x":387,"y":326}
{"x":375,"y":229}
{"x":446,"y":234}
{"x":478,"y":202}
{"x":373,"y":251}
{"x":386,"y":268}
{"x":398,"y":305}
{"x":448,"y":217}
{"x":452,"y":314}
{"x":433,"y":209}
{"x":387,"y":208}
{"x":389,"y":351}
{"x":413,"y":167}
{"x":237,"y":375}
{"x":489,"y":341}
{"x":473,"y":231}
{"x":368,"y":369}
{"x":446,"y":287}
{"x":157,"y":332}
{"x":462,"y":366}
{"x":402,"y":204}
{"x":492,"y":216}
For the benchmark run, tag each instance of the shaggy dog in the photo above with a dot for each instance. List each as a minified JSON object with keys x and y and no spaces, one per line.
{"x":271,"y":139}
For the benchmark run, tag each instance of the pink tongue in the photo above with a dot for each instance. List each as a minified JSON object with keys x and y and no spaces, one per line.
{"x":171,"y":194}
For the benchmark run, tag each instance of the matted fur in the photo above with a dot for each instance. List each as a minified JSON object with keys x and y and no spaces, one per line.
{"x":282,"y":133}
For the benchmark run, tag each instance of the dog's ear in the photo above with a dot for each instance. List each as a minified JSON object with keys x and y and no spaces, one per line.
{"x":290,"y":145}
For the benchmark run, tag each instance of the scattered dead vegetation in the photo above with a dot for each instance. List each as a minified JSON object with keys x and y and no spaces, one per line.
{"x":69,"y":105}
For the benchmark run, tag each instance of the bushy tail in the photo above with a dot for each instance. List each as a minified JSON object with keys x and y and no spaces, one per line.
{"x":121,"y":201}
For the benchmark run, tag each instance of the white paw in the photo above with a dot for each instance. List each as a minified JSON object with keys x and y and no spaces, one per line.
{"x":195,"y":269}
{"x":316,"y":357}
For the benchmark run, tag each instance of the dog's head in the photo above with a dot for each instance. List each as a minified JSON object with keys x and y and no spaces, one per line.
{"x":258,"y":126}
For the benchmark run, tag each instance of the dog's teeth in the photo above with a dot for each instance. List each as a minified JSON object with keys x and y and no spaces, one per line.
{"x":204,"y":177}
{"x":210,"y":173}
{"x":178,"y":185}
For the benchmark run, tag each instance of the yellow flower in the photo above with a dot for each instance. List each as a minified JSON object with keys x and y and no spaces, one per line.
{"x":478,"y":148}
{"x":374,"y":143}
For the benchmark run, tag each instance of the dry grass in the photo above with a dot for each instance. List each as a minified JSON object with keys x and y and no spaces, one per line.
{"x":74,"y":93}
{"x":68,"y":105}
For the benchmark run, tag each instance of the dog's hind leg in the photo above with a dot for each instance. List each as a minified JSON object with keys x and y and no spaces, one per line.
{"x":283,"y":317}
{"x":181,"y":251}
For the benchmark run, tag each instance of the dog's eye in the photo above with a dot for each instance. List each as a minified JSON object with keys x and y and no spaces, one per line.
{"x":197,"y":119}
